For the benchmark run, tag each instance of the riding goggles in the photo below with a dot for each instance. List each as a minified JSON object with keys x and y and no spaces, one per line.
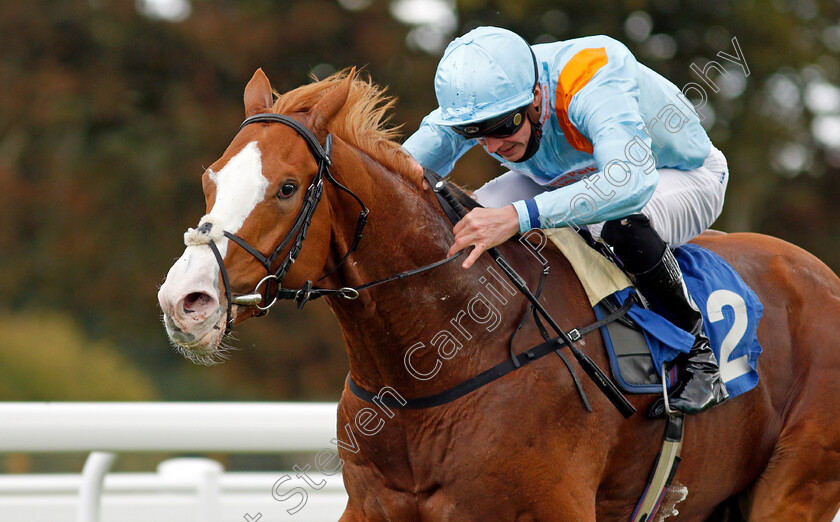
{"x":498,"y":127}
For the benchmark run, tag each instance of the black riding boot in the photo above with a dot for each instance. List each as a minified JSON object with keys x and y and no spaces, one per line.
{"x":660,"y":280}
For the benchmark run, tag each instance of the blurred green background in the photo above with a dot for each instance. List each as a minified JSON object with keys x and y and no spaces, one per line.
{"x":111,"y":109}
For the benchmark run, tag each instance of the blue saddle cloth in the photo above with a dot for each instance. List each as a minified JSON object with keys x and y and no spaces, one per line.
{"x":731,"y":312}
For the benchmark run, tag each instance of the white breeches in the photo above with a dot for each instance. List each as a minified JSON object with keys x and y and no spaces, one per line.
{"x":684,"y":204}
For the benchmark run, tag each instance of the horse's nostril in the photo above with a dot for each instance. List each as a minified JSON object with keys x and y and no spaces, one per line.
{"x":196,"y":301}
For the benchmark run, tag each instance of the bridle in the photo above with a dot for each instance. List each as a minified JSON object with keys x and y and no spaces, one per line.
{"x":296,"y":236}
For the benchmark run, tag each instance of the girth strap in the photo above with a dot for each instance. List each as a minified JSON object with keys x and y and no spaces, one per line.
{"x":487,"y":376}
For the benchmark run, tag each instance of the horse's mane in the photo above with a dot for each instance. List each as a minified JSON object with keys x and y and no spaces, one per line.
{"x":362,"y":122}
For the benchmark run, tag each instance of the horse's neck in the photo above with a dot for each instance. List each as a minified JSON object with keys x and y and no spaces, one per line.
{"x":466,"y":315}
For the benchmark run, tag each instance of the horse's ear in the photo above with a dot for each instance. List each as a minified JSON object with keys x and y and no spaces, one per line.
{"x":257,"y":94}
{"x":328,"y":106}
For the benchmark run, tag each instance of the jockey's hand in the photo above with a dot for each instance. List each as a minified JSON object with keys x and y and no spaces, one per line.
{"x":484,"y":228}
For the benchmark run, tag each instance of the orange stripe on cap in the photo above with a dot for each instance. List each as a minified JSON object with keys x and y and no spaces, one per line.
{"x":574,"y":76}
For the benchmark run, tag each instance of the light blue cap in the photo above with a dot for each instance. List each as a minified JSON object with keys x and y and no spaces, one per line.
{"x":485,"y":73}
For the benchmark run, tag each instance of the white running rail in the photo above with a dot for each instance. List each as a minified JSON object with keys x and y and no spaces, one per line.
{"x":182,"y":489}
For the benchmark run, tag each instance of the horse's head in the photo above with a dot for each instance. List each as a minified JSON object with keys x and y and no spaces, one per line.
{"x":262,"y":199}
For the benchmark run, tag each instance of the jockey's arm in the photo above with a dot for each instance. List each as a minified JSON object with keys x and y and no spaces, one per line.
{"x":605,"y":115}
{"x":436,"y":147}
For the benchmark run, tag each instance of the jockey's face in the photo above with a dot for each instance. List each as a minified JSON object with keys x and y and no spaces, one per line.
{"x":512,"y":147}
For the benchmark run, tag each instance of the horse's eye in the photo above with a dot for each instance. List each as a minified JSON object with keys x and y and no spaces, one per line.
{"x":287,"y":190}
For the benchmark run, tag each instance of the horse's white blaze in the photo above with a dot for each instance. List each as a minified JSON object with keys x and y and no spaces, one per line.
{"x":240,"y":186}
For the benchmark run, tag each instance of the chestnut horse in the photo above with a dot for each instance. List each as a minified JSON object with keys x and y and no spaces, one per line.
{"x":522,"y":447}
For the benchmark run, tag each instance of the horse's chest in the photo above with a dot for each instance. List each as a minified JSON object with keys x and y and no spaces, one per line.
{"x":448,"y":471}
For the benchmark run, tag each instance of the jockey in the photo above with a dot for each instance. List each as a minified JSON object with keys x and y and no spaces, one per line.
{"x":590,"y":137}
